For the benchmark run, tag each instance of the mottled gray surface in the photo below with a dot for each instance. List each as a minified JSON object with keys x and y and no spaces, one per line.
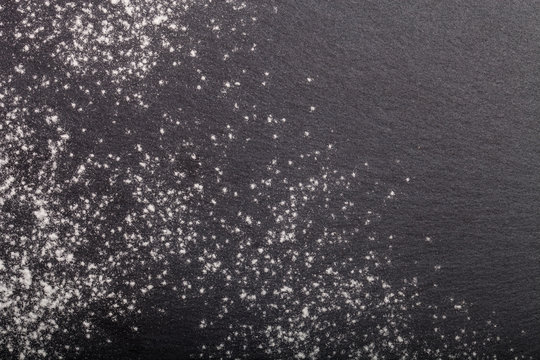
{"x":278,"y":179}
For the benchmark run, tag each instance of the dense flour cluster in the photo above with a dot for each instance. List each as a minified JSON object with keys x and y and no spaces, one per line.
{"x":139,"y":157}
